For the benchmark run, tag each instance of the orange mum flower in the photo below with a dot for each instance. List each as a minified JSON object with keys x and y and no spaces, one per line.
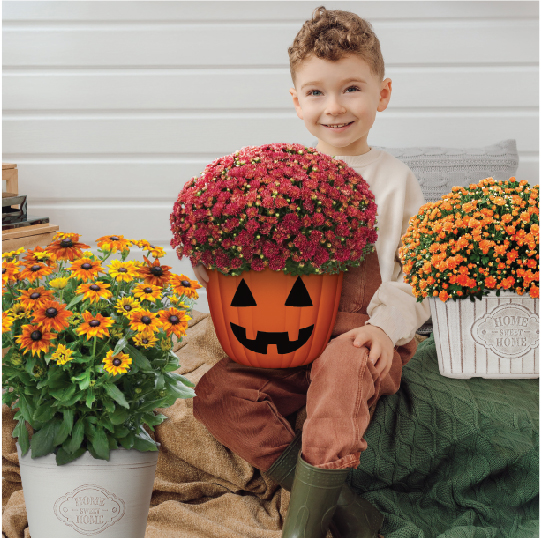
{"x":35,"y":272}
{"x":86,"y":268}
{"x":185,"y":286}
{"x":67,"y":247}
{"x":35,"y":340}
{"x":154,"y":273}
{"x":52,"y":315}
{"x":94,"y":326}
{"x":174,"y":321}
{"x":534,"y":291}
{"x":95,"y":291}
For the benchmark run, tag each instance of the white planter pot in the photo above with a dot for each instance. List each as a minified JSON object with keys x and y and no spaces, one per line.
{"x":496,"y":337}
{"x":88,"y":496}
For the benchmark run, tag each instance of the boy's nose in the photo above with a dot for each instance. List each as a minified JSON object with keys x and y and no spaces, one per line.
{"x":335,"y":107}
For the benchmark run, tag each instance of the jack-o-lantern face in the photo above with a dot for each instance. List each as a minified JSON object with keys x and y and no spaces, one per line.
{"x":273,"y":320}
{"x":298,"y":297}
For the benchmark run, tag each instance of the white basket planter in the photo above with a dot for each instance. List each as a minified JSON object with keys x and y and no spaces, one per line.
{"x":496,"y":337}
{"x":88,"y":496}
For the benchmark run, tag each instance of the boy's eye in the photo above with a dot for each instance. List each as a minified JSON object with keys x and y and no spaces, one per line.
{"x":353,"y":88}
{"x":312,"y":92}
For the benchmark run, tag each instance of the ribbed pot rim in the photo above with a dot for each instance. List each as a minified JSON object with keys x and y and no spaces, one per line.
{"x":119,"y":457}
{"x":492,"y":294}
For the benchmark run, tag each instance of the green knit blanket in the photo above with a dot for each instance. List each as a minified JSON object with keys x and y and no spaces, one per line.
{"x":450,"y":458}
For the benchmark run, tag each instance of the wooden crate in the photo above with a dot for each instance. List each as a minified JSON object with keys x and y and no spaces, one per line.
{"x":28,"y":236}
{"x":10,"y":175}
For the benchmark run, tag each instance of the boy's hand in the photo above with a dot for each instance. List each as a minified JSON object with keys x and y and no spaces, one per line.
{"x":201,"y":274}
{"x":380,"y":345}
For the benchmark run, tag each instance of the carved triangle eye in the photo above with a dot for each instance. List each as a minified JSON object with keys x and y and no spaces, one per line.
{"x":243,"y":296}
{"x":299,"y":296}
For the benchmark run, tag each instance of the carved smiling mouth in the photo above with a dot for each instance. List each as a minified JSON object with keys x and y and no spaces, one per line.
{"x":281,"y":339}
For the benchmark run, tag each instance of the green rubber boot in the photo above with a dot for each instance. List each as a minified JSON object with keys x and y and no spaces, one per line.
{"x":354,"y":516}
{"x":314,"y":496}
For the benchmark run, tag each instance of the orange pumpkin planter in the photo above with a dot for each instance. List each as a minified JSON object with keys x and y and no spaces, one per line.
{"x":270,"y":319}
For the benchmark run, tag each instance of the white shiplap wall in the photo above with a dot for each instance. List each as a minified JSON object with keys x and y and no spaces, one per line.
{"x":109,"y":107}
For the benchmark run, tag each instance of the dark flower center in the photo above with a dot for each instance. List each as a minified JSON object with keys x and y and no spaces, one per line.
{"x":186,"y":284}
{"x":35,"y":268}
{"x":127,"y":307}
{"x":148,"y":290}
{"x":94,"y":323}
{"x":144,"y":340}
{"x":35,"y":295}
{"x":66,"y":243}
{"x":156,"y":271}
{"x":117,"y":362}
{"x":51,"y":312}
{"x":122,"y":270}
{"x":113,"y":238}
{"x":36,"y":336}
{"x":146,"y":320}
{"x":173,"y":319}
{"x":3,"y":270}
{"x":86,"y":266}
{"x":94,"y":287}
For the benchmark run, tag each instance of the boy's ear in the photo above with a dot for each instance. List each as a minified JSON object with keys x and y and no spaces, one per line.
{"x":385,"y":94}
{"x":298,"y":108}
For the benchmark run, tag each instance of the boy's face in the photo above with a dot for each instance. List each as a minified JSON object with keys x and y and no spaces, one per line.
{"x":328,"y":93}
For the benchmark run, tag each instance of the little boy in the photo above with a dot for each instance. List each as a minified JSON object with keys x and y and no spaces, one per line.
{"x":339,"y":84}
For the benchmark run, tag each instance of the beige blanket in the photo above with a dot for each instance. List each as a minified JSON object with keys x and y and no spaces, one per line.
{"x":201,"y":490}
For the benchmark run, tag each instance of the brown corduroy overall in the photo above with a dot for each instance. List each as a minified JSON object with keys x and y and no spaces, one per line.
{"x":245,"y":408}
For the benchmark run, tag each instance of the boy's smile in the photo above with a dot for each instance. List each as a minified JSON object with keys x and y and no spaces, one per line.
{"x":338,"y":102}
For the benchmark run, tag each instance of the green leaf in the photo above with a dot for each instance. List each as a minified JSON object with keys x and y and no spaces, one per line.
{"x":24,"y":443}
{"x":68,"y":419}
{"x":27,"y":409}
{"x":109,"y":406}
{"x":182,"y":379}
{"x":170,"y":367}
{"x":144,"y":445}
{"x":85,"y":383}
{"x":139,"y":358}
{"x":100,"y":443}
{"x":160,"y":381}
{"x":94,"y":453}
{"x":90,"y":398}
{"x":61,"y":434}
{"x":74,"y":399}
{"x":44,"y":413}
{"x":77,"y":436}
{"x":63,"y":456}
{"x":181,"y":391}
{"x":30,"y":363}
{"x":121,"y":431}
{"x":121,"y":344}
{"x":75,"y":300}
{"x":127,"y":441}
{"x":42,"y":441}
{"x":114,"y":392}
{"x":119,"y":416}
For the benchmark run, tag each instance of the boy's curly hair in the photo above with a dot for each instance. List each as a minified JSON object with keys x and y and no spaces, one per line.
{"x":331,"y":35}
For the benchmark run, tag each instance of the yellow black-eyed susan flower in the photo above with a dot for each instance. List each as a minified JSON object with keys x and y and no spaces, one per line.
{"x":155,"y":273}
{"x":59,"y":283}
{"x":145,"y":339}
{"x":86,"y":268}
{"x":33,"y":298}
{"x":52,"y":315}
{"x":10,"y":270}
{"x":62,"y":355}
{"x":117,"y":364}
{"x":174,"y":321}
{"x":123,"y":271}
{"x":182,"y":285}
{"x":94,"y":326}
{"x":34,"y":339}
{"x":113,"y":243}
{"x":144,"y":320}
{"x":147,"y":292}
{"x":7,"y":322}
{"x":95,"y":291}
{"x":67,"y":247}
{"x":127,"y":305}
{"x":40,"y":255}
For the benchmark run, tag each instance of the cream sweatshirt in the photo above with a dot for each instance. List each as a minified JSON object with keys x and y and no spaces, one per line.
{"x":398,"y":196}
